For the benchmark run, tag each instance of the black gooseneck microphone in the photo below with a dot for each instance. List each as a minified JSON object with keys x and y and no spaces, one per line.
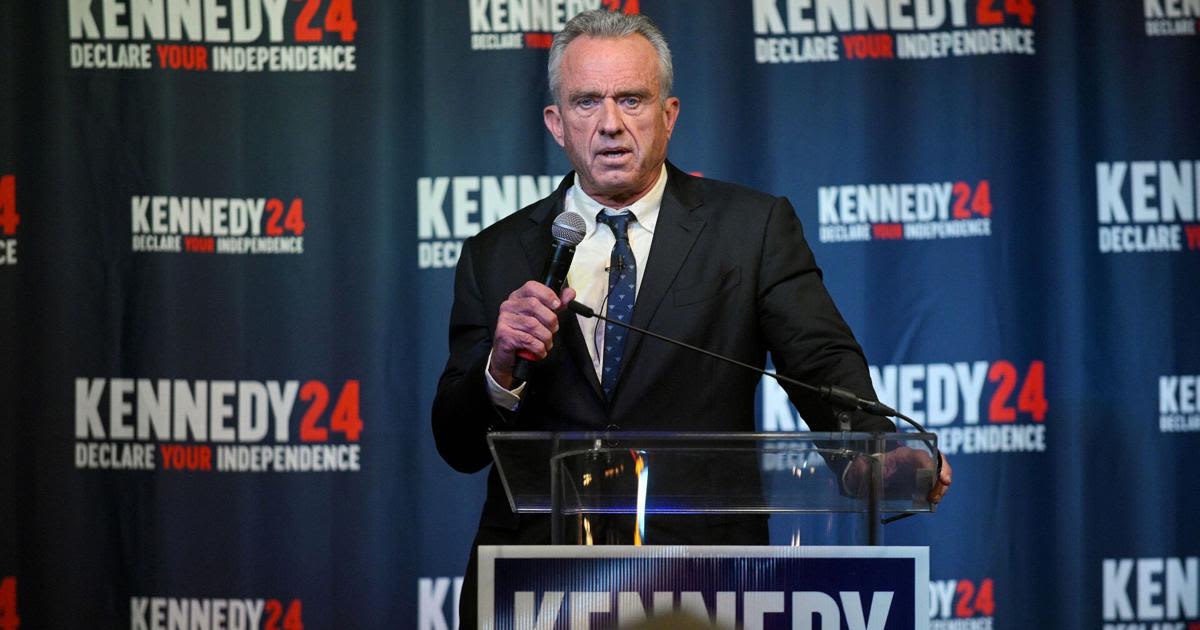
{"x":568,"y":231}
{"x":843,"y":400}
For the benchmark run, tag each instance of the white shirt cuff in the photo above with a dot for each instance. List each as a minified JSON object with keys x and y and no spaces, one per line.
{"x":508,"y":399}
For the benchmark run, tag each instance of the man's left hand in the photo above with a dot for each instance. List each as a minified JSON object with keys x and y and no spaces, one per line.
{"x":943,"y":481}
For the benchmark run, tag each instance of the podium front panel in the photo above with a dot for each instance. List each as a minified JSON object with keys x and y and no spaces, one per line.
{"x":694,"y":586}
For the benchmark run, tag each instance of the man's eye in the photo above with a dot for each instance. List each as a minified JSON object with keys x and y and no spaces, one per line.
{"x":586,"y":102}
{"x":631,"y":101}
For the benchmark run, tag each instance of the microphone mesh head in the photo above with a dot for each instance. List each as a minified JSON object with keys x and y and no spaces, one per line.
{"x":569,"y":228}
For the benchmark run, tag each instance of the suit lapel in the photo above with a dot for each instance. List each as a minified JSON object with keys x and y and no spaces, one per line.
{"x":536,"y":241}
{"x":674,"y":236}
{"x":572,"y":337}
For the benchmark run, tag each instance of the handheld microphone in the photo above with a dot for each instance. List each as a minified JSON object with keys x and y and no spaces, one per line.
{"x":568,"y":231}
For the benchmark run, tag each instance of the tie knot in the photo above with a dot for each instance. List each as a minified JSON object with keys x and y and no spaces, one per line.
{"x":618,"y":223}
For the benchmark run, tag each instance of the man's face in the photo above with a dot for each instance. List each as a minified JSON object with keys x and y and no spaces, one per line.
{"x":610,"y":117}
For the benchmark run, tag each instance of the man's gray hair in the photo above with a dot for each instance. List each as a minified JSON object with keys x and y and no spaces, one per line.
{"x":610,"y":25}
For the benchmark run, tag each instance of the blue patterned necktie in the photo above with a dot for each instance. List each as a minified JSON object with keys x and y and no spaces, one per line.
{"x":622,"y":286}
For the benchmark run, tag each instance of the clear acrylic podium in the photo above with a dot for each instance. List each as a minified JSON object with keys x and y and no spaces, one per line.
{"x":618,"y":487}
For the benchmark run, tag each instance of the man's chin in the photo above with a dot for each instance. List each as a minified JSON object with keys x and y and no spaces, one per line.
{"x":612,"y":187}
{"x":612,"y":176}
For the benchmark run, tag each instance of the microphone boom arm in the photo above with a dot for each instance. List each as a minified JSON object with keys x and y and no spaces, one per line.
{"x":843,"y":400}
{"x":838,"y":396}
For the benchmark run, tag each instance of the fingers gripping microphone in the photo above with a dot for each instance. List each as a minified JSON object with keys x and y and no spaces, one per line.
{"x":568,"y":231}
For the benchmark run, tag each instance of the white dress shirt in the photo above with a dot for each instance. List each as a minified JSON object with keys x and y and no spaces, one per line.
{"x":588,"y":274}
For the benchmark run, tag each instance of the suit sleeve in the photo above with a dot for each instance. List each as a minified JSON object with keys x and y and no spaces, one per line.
{"x":806,"y":335}
{"x":462,"y":411}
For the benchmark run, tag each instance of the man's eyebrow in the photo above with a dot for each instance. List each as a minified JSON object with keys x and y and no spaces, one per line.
{"x":640,"y":93}
{"x":574,"y":96}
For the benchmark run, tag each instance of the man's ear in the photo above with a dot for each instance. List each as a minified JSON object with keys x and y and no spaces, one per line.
{"x":670,"y":113}
{"x":553,"y":119}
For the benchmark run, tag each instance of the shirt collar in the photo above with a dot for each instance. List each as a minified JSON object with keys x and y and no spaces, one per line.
{"x":645,"y":209}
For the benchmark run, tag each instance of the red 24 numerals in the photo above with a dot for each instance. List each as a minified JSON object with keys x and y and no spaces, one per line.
{"x":339,"y":18}
{"x":345,"y":418}
{"x":971,"y":603}
{"x":1031,"y":399}
{"x":986,"y":13}
{"x":293,"y":220}
{"x":966,"y":204}
{"x":291,"y":620}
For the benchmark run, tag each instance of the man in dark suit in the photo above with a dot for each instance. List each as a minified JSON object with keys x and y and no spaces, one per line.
{"x":713,"y":264}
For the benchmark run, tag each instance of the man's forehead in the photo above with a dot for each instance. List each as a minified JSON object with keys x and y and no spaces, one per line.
{"x":611,"y":63}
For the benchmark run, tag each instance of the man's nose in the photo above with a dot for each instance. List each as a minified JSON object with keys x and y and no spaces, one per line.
{"x":610,"y":117}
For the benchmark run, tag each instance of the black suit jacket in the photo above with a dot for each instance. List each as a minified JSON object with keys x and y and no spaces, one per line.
{"x":729,"y":270}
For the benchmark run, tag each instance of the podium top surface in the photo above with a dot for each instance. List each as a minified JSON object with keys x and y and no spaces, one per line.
{"x":579,"y":472}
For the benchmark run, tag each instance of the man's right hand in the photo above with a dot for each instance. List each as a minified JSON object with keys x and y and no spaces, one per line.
{"x":528,"y":321}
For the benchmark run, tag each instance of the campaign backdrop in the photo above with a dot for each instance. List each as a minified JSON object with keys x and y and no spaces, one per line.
{"x":228,"y":230}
